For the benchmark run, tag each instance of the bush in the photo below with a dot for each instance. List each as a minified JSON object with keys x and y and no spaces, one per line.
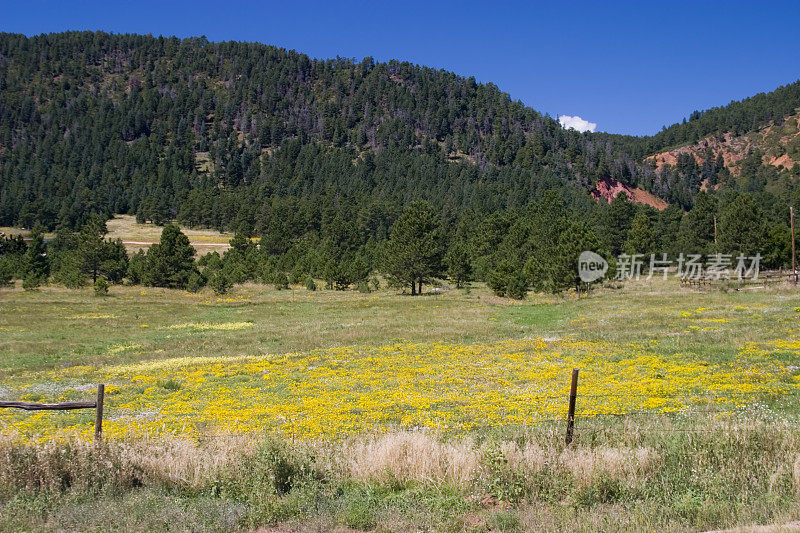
{"x":31,"y":282}
{"x":517,"y":287}
{"x":503,"y":481}
{"x":280,"y":281}
{"x":196,"y":282}
{"x":310,"y":285}
{"x":220,"y":282}
{"x":363,"y":286}
{"x":101,"y":287}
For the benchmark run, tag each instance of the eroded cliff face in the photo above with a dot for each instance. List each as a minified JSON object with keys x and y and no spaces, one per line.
{"x":780,"y":144}
{"x":608,"y":188}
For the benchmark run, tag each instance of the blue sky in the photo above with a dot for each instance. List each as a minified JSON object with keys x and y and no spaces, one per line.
{"x":629,"y":67}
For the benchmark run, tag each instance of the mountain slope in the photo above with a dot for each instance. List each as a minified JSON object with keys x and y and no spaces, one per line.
{"x":750,"y":145}
{"x":219,"y":134}
{"x":778,"y":143}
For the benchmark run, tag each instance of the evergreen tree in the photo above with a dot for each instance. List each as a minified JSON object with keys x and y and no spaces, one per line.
{"x":37,"y":268}
{"x":778,"y":247}
{"x":577,"y":238}
{"x":413,"y":254}
{"x":91,"y":246}
{"x":742,"y":227}
{"x":459,"y":264}
{"x":640,"y":238}
{"x":170,"y":262}
{"x":507,"y":279}
{"x":696,"y":234}
{"x":617,"y":222}
{"x":666,"y":230}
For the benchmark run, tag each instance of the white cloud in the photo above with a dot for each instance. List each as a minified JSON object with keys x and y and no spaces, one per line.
{"x":576,"y":123}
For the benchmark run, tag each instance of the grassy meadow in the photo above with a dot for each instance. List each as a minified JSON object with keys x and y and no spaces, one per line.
{"x":323,"y":410}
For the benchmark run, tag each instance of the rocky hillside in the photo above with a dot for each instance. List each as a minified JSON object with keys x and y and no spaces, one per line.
{"x":608,"y":189}
{"x":778,"y":144}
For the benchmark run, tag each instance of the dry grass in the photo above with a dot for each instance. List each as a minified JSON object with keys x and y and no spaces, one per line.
{"x":410,"y":457}
{"x":587,"y":465}
{"x":716,"y":474}
{"x":126,"y":228}
{"x":400,"y":457}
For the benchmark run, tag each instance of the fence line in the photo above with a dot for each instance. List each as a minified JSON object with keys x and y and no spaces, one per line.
{"x":97,"y":405}
{"x":573,"y":410}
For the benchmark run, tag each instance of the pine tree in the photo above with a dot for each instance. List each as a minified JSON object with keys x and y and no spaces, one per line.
{"x":577,"y":238}
{"x":696,"y":234}
{"x":742,"y":227}
{"x":617,"y":222}
{"x":640,"y":238}
{"x":171,"y":261}
{"x":413,"y":254}
{"x":91,"y":247}
{"x":37,"y":268}
{"x":459,"y":264}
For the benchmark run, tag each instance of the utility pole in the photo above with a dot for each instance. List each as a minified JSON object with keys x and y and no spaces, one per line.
{"x":715,"y":230}
{"x":794,"y":258}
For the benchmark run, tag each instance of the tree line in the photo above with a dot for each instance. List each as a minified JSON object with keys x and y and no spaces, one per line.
{"x":513,"y":251}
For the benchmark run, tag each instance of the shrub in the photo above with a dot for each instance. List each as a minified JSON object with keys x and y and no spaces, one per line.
{"x":280,"y":280}
{"x":101,"y":287}
{"x":220,"y":282}
{"x":172,"y":385}
{"x":196,"y":282}
{"x":310,"y":285}
{"x":31,"y":282}
{"x":504,"y":481}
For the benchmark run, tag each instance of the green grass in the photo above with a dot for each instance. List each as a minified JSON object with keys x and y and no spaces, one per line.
{"x":710,"y":471}
{"x":44,"y":329}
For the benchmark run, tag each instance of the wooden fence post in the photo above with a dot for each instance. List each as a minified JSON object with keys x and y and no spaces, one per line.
{"x":573,"y":394}
{"x":98,"y":420}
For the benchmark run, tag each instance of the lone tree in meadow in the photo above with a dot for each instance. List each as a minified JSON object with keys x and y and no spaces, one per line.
{"x":170,"y":263}
{"x":413,"y":253}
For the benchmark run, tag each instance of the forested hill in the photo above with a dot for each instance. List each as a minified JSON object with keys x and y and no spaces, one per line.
{"x":325,"y":160}
{"x":245,"y":136}
{"x":751,"y":145}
